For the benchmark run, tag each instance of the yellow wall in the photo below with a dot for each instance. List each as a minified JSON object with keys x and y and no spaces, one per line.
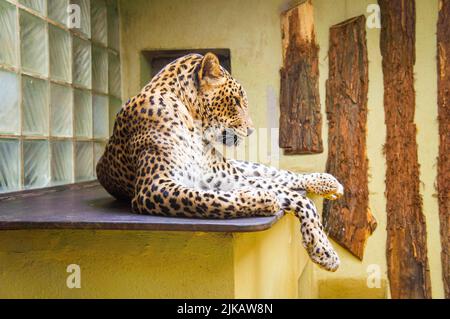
{"x":116,"y":264}
{"x":352,"y":272}
{"x":251,"y":30}
{"x":144,"y":264}
{"x":428,"y":136}
{"x":268,"y":264}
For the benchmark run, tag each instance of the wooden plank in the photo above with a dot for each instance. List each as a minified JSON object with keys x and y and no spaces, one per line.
{"x":406,"y":247}
{"x":91,"y":207}
{"x":348,"y":220}
{"x":300,"y":117}
{"x":443,"y":180}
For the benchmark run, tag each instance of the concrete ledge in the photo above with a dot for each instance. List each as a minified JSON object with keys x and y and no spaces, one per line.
{"x":153,"y":264}
{"x":91,"y":207}
{"x":125,"y":255}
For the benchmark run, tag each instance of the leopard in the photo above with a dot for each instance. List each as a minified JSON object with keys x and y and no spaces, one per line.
{"x":163,"y":156}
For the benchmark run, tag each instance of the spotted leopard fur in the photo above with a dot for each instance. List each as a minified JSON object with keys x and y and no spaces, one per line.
{"x":161,"y":156}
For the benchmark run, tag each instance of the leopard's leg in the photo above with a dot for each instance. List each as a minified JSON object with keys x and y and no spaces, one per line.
{"x":314,"y":238}
{"x":114,"y":176}
{"x":323,"y":184}
{"x":166,"y":197}
{"x":158,"y":193}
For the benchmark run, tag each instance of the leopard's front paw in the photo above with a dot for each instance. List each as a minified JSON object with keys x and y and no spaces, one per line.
{"x":336,"y":193}
{"x":328,"y":259}
{"x":324,"y":184}
{"x":321,"y":251}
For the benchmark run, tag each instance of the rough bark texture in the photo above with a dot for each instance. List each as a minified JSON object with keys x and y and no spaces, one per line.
{"x":348,"y":220}
{"x":406,"y":247}
{"x":443,"y":181}
{"x":300,"y":118}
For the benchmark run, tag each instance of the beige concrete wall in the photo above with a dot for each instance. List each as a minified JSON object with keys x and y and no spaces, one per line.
{"x":250,"y":29}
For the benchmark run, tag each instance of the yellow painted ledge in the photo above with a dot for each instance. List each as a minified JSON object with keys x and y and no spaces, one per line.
{"x":351,"y":288}
{"x":150,"y":264}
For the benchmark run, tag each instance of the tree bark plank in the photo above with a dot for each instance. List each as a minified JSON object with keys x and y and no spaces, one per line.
{"x":348,"y":220}
{"x":443,"y":180}
{"x":300,"y":117}
{"x":406,"y":247}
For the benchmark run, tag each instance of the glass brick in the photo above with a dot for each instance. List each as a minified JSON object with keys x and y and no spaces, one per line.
{"x":8,"y":34}
{"x":59,"y":54}
{"x":36,"y":164}
{"x":61,"y":99}
{"x":9,"y":165}
{"x":99,"y":25}
{"x":9,"y":107}
{"x":84,"y":161}
{"x":82,"y":62}
{"x":34,"y":106}
{"x":99,"y":149}
{"x":83,"y":113}
{"x":36,"y":5}
{"x":57,"y":10}
{"x":85,"y":19}
{"x":34,"y":43}
{"x":99,"y":69}
{"x":62,"y":162}
{"x":100,"y":114}
{"x":114,"y":76}
{"x":113,"y":27}
{"x":115,"y":106}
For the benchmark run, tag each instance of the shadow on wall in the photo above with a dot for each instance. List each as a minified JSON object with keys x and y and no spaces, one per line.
{"x":152,"y":61}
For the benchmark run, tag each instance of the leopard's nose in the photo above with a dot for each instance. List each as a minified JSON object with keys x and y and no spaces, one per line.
{"x":250,"y":131}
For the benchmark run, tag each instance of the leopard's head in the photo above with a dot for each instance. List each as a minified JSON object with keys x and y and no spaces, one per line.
{"x":224,"y":103}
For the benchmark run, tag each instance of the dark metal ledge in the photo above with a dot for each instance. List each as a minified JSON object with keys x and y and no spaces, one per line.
{"x":90,"y":207}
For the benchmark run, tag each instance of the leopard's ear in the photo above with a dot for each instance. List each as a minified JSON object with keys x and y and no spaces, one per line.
{"x":210,"y":73}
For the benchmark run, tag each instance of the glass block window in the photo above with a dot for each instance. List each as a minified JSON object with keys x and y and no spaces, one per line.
{"x":60,"y":86}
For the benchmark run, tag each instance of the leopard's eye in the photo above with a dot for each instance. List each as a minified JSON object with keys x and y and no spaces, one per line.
{"x":237,"y":101}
